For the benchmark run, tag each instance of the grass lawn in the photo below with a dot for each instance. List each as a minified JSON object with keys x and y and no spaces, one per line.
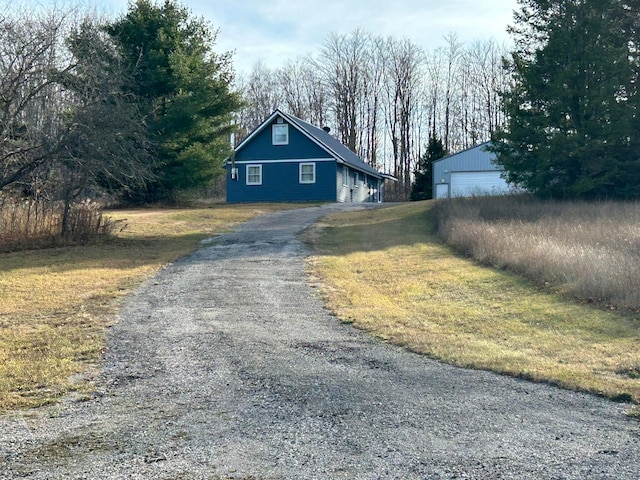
{"x":56,"y":303}
{"x":385,"y":271}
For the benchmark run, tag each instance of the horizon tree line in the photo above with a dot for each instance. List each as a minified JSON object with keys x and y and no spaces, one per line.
{"x":142,"y":108}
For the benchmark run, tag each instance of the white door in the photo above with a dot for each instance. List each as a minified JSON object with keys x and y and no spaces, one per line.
{"x":442,"y":190}
{"x":466,"y":184}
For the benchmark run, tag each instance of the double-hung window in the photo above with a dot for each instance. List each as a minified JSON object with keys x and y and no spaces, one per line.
{"x":254,"y":174}
{"x":307,"y":173}
{"x":280,"y":134}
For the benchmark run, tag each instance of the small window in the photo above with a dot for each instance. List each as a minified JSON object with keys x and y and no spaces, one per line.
{"x":280,"y":134}
{"x":254,"y":174}
{"x":307,"y":173}
{"x":355,"y":178}
{"x":345,"y":176}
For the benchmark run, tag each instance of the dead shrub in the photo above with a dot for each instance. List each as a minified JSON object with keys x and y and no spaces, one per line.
{"x":29,"y":224}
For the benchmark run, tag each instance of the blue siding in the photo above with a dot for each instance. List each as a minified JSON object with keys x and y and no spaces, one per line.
{"x":280,"y":167}
{"x":299,"y":147}
{"x":280,"y":183}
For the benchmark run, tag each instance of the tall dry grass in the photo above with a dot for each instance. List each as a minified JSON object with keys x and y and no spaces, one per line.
{"x":28,"y":224}
{"x":590,"y":250}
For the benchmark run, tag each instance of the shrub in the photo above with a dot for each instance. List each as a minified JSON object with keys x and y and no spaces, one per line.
{"x":28,"y":224}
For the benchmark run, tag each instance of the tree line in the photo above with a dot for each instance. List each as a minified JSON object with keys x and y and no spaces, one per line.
{"x":385,"y":98}
{"x":137,"y":108}
{"x":141,"y":108}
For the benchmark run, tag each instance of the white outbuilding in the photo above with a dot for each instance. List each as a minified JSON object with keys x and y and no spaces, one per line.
{"x":468,"y":173}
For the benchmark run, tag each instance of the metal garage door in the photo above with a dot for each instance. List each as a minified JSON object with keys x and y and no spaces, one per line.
{"x":465,"y":184}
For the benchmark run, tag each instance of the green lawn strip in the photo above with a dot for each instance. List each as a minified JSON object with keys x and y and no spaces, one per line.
{"x":386,"y":271}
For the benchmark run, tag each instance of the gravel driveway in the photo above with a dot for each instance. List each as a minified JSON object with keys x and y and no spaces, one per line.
{"x":227,"y":365}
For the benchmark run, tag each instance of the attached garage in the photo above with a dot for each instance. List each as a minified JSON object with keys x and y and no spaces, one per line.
{"x":470,"y":172}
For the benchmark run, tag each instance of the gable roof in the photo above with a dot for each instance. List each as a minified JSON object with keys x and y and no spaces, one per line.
{"x":480,"y":146}
{"x":321,"y":138}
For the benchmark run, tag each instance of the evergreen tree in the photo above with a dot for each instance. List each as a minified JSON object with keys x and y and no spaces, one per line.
{"x":185,"y":90}
{"x":422,"y":188}
{"x":573,"y":126}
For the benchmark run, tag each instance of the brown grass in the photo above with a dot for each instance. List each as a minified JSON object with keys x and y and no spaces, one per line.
{"x":387,"y":272}
{"x":589,"y":250}
{"x":56,"y":303}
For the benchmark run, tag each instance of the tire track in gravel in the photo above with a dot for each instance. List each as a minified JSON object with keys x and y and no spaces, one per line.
{"x":226,"y":365}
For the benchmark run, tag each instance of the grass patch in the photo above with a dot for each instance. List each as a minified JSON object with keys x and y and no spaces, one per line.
{"x":387,"y":272}
{"x":56,"y":303}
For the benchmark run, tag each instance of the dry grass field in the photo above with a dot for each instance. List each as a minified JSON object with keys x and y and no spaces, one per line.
{"x":56,"y":303}
{"x":387,"y":272}
{"x":29,"y":224}
{"x":590,"y":250}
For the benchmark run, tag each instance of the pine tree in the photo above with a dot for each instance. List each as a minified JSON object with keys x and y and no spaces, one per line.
{"x":422,"y":188}
{"x":573,"y":112}
{"x":185,"y":88}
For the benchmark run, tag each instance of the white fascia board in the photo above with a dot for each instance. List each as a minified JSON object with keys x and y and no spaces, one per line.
{"x":289,"y":160}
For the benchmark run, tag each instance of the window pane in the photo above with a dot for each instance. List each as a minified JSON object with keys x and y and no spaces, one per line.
{"x":307,"y":173}
{"x":280,"y":134}
{"x":254,"y":174}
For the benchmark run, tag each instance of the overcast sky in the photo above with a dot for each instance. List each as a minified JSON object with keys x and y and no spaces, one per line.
{"x":277,"y":30}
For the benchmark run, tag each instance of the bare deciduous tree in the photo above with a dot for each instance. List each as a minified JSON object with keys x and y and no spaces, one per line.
{"x":66,"y":124}
{"x":30,"y":100}
{"x":262,"y":93}
{"x":404,"y":64}
{"x":343,"y":62}
{"x":384,"y":98}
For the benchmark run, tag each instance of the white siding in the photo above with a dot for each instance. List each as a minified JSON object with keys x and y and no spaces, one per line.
{"x":360,"y":187}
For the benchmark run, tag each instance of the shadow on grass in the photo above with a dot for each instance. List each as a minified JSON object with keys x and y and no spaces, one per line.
{"x":120,"y":253}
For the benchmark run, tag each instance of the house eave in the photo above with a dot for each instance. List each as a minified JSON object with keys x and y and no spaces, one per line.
{"x":386,"y":176}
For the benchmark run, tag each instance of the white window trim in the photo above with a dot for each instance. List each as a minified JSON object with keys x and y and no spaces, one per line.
{"x":345,"y":176}
{"x":275,"y":127}
{"x":247,"y":173}
{"x":356,"y":179}
{"x":300,"y":173}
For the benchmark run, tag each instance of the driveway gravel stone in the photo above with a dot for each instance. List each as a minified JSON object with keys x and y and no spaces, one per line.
{"x":226,"y":365}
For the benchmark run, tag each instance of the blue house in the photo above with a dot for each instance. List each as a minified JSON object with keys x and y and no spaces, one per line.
{"x":288,"y":160}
